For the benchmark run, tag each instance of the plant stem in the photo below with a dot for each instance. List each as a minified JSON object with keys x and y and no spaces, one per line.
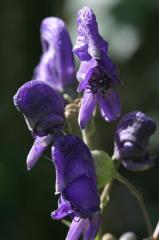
{"x":140,"y":200}
{"x":156,"y":232}
{"x":104,"y":194}
{"x":88,"y":133}
{"x":107,"y":188}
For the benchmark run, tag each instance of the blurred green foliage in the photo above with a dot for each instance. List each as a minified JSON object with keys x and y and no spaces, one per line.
{"x":26,"y":198}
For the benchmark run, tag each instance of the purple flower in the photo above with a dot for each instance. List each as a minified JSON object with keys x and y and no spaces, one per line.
{"x":132,"y":141}
{"x":97,"y":74}
{"x":43,"y":110}
{"x":76,"y":183}
{"x":56,"y":64}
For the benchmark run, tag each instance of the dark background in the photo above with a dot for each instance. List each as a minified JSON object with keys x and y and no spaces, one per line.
{"x":27,"y":198}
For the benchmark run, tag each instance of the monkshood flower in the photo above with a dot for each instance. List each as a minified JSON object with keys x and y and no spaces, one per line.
{"x":76,"y":183}
{"x":132,"y":141}
{"x":56,"y":64}
{"x":97,"y":74}
{"x":43,"y":110}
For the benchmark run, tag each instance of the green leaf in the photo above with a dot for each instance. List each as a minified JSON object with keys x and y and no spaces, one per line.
{"x":105,"y":169}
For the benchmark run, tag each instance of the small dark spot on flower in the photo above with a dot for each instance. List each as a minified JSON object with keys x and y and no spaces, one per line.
{"x":99,"y":82}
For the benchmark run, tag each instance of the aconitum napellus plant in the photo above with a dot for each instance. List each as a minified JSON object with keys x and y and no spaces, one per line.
{"x":84,"y":175}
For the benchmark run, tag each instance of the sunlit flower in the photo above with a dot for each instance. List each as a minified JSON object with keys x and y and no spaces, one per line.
{"x":43,"y":110}
{"x":97,"y":74}
{"x":76,"y":183}
{"x":132,"y":141}
{"x":56,"y":64}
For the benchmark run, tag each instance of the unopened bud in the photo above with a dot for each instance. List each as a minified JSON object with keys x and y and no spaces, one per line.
{"x":128,"y":236}
{"x":108,"y":236}
{"x":71,"y":115}
{"x":72,"y":109}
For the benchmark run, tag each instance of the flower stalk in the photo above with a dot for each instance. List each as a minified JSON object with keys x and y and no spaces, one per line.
{"x":140,"y":200}
{"x":88,"y":134}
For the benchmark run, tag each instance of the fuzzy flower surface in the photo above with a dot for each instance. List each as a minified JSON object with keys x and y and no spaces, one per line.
{"x":43,"y":111}
{"x":132,"y":141}
{"x":76,"y":184}
{"x":97,"y":73}
{"x":56,"y":65}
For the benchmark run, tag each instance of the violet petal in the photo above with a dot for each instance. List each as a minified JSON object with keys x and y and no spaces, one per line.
{"x":93,"y":227}
{"x":82,"y":194}
{"x":89,"y":43}
{"x":109,"y":105}
{"x":131,"y":149}
{"x":38,"y":148}
{"x":87,"y":107}
{"x":76,"y":229}
{"x":41,"y":106}
{"x":132,"y":141}
{"x":64,"y":209}
{"x":138,"y":164}
{"x":56,"y":64}
{"x":72,"y":158}
{"x":133,"y":125}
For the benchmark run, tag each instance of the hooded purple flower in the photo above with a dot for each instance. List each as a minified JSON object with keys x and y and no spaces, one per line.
{"x":97,"y":74}
{"x":76,"y":183}
{"x":56,"y":64}
{"x":132,"y":141}
{"x":43,"y":110}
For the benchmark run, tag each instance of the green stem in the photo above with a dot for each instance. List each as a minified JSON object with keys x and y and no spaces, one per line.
{"x":88,"y":133}
{"x":105,"y":193}
{"x":104,"y":197}
{"x":140,"y":200}
{"x":66,"y":223}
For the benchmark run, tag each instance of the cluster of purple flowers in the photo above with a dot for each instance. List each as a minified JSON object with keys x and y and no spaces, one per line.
{"x":41,"y":103}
